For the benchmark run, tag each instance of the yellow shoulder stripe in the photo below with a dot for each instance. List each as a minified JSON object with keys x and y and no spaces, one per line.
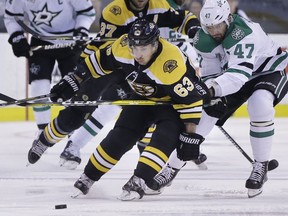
{"x":169,"y":66}
{"x":117,"y":13}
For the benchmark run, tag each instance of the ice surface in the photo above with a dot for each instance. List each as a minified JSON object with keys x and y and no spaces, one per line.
{"x":220,"y":190}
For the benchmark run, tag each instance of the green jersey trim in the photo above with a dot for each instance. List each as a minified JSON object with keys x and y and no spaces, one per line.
{"x":204,"y":42}
{"x":277,"y":62}
{"x":231,"y":70}
{"x":262,"y":134}
{"x":281,"y":85}
{"x":236,"y":32}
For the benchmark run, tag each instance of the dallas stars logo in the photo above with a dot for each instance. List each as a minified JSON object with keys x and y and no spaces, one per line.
{"x":44,"y":16}
{"x":220,"y":4}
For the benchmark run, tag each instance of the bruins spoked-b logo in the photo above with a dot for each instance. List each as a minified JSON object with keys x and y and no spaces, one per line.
{"x":169,"y":66}
{"x":144,"y":90}
{"x":237,"y":34}
{"x":116,"y":10}
{"x":124,"y":41}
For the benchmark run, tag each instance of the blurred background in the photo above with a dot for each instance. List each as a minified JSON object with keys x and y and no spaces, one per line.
{"x":271,"y":14}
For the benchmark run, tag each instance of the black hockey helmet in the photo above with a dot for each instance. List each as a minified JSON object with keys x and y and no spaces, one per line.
{"x":143,"y":32}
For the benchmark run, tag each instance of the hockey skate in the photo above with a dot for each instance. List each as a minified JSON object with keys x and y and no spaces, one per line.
{"x":36,"y":151}
{"x":164,"y":177}
{"x":257,"y":178}
{"x":134,"y":189}
{"x":70,"y":157}
{"x":82,"y":185}
{"x":199,"y":162}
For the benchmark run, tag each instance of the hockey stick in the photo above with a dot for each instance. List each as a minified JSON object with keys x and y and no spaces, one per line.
{"x":6,"y":98}
{"x":273,"y":164}
{"x":53,"y":46}
{"x":81,"y":38}
{"x":22,"y":102}
{"x":32,"y":101}
{"x":100,"y":102}
{"x":71,"y":45}
{"x":11,"y":100}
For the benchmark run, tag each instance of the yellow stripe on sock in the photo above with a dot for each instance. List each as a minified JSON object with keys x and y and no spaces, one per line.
{"x":150,"y":163}
{"x":97,"y":165}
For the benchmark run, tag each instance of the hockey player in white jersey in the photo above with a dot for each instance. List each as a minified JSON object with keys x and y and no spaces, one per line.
{"x":239,"y":62}
{"x":48,"y":18}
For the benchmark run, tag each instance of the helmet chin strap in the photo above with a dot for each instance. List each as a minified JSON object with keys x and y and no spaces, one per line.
{"x":229,"y":20}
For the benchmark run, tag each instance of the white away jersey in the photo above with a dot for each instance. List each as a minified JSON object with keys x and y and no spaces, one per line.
{"x":50,"y":17}
{"x":245,"y":53}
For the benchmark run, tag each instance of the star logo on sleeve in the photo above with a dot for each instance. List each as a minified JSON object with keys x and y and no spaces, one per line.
{"x":44,"y":16}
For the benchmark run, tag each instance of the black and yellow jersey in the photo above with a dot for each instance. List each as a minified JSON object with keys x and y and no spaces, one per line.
{"x":168,"y":76}
{"x":118,"y":17}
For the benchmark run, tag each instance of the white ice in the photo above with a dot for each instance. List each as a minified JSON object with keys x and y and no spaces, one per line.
{"x":220,"y":190}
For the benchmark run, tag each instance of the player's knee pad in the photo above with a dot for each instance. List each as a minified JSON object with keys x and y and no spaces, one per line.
{"x":260,"y":106}
{"x":71,"y":119}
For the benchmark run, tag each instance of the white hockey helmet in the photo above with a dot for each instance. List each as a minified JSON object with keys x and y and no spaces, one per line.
{"x":214,"y":12}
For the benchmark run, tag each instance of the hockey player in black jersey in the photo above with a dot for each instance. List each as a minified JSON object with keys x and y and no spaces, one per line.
{"x":154,"y":69}
{"x":116,"y":20}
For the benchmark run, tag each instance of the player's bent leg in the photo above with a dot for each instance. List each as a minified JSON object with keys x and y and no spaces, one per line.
{"x":171,"y":169}
{"x":68,"y":120}
{"x":261,"y":113}
{"x":204,"y":127}
{"x":70,"y":157}
{"x":141,"y":144}
{"x":107,"y":155}
{"x":42,"y":114}
{"x":152,"y":159}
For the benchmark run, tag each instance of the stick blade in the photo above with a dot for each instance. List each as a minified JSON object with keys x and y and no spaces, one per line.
{"x":273,"y":164}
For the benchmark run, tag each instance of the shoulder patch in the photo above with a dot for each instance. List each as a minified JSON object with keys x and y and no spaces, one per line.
{"x":124,"y":41}
{"x":237,"y":34}
{"x":169,"y":66}
{"x":116,"y":10}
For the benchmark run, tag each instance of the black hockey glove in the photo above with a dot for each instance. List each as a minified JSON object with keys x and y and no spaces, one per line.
{"x":203,"y":91}
{"x":188,"y":148}
{"x":216,"y":108}
{"x":82,"y":32}
{"x":192,"y":31}
{"x":19,"y":44}
{"x":65,"y":89}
